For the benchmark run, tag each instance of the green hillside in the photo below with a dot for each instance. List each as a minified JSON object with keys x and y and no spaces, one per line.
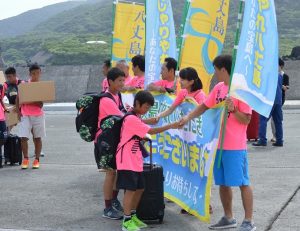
{"x":64,"y":35}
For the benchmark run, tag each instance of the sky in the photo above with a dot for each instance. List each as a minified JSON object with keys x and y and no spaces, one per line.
{"x":10,"y":8}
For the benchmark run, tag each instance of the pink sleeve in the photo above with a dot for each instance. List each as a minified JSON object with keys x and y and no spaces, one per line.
{"x":245,"y":108}
{"x":179,"y":98}
{"x":135,"y":126}
{"x":211,"y":99}
{"x":159,"y":83}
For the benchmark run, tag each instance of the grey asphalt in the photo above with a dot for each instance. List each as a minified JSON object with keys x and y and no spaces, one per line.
{"x":65,"y":193}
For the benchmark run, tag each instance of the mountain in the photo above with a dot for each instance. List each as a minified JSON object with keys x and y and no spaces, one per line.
{"x":26,"y":22}
{"x":63,"y":35}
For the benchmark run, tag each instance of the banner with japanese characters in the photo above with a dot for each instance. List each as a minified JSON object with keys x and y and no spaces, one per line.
{"x":255,"y":74}
{"x":203,"y":37}
{"x":160,"y":37}
{"x":187,"y":155}
{"x":128,"y":31}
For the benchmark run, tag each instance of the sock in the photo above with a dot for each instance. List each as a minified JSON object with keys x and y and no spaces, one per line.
{"x":126,"y":218}
{"x":107,"y":203}
{"x":133,"y":212}
{"x":115,"y":194}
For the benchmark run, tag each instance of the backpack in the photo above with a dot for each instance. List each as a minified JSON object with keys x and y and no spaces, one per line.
{"x":11,"y":91}
{"x":109,"y":139}
{"x":87,"y":116}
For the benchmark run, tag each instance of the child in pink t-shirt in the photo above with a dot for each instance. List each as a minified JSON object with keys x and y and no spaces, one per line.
{"x":233,"y":170}
{"x":107,"y":107}
{"x":32,"y":121}
{"x":191,"y":89}
{"x":130,"y":161}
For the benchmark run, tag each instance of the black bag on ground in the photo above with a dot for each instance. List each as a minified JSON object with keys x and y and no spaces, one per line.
{"x":152,"y":205}
{"x":87,"y":117}
{"x":13,"y":150}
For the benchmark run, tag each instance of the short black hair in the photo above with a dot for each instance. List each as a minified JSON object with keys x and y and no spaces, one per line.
{"x":223,"y":61}
{"x":33,"y":67}
{"x":144,"y":97}
{"x":190,"y":74}
{"x":114,"y":73}
{"x":171,"y":64}
{"x":10,"y":71}
{"x":107,"y":63}
{"x":280,"y":62}
{"x":139,"y":60}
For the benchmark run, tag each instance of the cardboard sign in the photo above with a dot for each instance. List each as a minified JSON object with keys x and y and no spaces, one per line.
{"x":43,"y":91}
{"x":11,"y":117}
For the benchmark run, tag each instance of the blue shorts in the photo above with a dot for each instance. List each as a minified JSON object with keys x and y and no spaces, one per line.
{"x":233,"y":170}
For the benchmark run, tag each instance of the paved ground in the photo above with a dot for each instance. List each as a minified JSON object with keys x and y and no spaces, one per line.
{"x":65,"y":193}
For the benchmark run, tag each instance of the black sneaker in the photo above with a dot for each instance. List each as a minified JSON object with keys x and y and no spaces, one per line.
{"x":116,"y":204}
{"x":247,"y":226}
{"x":259,"y":144}
{"x":224,"y":223}
{"x":112,"y":214}
{"x":277,"y":144}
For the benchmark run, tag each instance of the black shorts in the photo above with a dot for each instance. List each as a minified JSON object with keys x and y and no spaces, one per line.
{"x":104,"y":161}
{"x":3,"y":131}
{"x":130,"y":180}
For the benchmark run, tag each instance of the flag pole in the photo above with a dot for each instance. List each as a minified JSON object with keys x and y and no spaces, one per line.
{"x":234,"y":53}
{"x":114,"y":6}
{"x":180,"y":39}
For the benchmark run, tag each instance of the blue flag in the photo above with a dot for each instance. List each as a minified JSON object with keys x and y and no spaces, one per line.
{"x":160,"y":37}
{"x":255,"y":75}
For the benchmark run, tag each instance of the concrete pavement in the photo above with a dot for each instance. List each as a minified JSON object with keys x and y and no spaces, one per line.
{"x":65,"y":193}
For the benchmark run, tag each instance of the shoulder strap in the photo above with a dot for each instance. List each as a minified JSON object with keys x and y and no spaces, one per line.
{"x":108,"y":95}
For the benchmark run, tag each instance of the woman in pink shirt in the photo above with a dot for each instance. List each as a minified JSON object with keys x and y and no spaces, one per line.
{"x":191,"y":86}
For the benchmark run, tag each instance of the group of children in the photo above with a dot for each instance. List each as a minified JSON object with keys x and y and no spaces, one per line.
{"x":31,"y":115}
{"x":129,"y":161}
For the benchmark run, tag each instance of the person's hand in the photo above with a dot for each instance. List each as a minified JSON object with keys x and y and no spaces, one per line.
{"x":175,"y":125}
{"x":127,"y":107}
{"x":152,"y":121}
{"x":284,"y":87}
{"x":162,"y":90}
{"x":229,"y":104}
{"x":183,"y":121}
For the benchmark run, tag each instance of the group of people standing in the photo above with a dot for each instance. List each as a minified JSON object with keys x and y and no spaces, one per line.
{"x":233,"y":171}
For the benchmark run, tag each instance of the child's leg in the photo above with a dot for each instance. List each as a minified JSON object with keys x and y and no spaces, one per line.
{"x":24,"y":145}
{"x":137,"y":198}
{"x":128,"y":202}
{"x":108,"y":187}
{"x":37,"y":147}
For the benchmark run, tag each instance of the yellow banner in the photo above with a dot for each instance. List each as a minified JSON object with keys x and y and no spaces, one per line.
{"x":128,"y":32}
{"x":203,"y":37}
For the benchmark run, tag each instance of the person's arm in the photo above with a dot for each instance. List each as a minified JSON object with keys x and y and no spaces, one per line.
{"x":166,"y":112}
{"x":242,"y":117}
{"x":153,"y":87}
{"x":199,"y":110}
{"x":163,"y":128}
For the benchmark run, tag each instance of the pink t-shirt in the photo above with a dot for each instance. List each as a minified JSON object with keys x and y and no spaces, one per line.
{"x":128,"y":80}
{"x":31,"y":109}
{"x":235,"y":134}
{"x":164,"y":83}
{"x":108,"y":107}
{"x":137,"y":82}
{"x":129,"y":157}
{"x":198,"y":95}
{"x":2,"y":115}
{"x":105,"y":85}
